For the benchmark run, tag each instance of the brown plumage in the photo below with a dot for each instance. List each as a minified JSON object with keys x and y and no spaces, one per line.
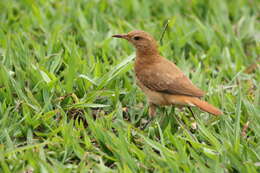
{"x":160,"y":79}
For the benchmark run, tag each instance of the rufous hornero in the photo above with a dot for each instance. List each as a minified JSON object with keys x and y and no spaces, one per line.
{"x":161,"y":80}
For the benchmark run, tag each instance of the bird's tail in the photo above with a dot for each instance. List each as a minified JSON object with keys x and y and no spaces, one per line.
{"x":205,"y":106}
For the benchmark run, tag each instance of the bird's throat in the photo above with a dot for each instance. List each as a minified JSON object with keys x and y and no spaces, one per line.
{"x":146,"y":53}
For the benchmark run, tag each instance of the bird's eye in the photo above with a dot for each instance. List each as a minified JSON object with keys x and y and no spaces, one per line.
{"x":137,"y":38}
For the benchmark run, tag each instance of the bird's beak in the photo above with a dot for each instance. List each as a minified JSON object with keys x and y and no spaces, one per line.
{"x":124,"y":36}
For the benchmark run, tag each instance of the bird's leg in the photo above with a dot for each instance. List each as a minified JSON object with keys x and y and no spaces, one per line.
{"x":152,"y":112}
{"x":191,"y":112}
{"x":182,"y":125}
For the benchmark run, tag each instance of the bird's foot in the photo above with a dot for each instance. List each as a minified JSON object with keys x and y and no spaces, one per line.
{"x":149,"y":121}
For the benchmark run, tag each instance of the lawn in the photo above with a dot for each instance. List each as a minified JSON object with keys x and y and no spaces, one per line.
{"x":69,"y":102}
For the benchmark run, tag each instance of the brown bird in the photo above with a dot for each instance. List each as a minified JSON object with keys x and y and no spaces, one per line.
{"x":160,"y":79}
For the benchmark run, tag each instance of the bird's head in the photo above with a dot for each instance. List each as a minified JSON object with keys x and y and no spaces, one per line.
{"x":141,"y":40}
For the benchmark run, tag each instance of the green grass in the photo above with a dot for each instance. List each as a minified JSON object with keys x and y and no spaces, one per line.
{"x":69,"y":102}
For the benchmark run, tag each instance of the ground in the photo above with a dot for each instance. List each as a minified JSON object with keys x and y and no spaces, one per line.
{"x":69,"y":102}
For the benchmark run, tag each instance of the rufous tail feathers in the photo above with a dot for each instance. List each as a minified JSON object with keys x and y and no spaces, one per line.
{"x":205,"y":106}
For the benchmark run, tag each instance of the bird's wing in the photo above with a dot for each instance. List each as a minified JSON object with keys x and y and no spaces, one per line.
{"x":166,"y":77}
